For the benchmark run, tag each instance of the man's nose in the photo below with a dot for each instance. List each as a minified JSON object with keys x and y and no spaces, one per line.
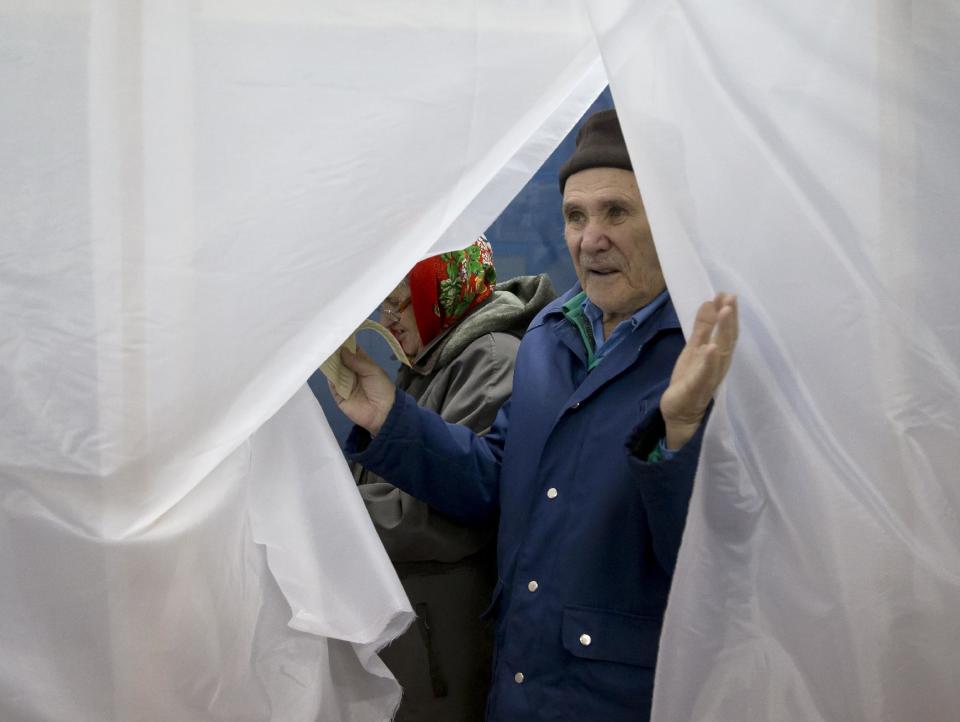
{"x":595,"y":236}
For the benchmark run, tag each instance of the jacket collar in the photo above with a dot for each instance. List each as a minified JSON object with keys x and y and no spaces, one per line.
{"x":663,"y":319}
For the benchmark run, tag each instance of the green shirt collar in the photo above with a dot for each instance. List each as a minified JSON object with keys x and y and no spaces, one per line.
{"x":573,"y":312}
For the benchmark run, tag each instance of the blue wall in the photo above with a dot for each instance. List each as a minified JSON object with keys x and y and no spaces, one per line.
{"x":527,"y":239}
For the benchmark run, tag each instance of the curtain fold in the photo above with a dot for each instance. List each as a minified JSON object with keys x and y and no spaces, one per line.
{"x":805,"y":157}
{"x":201,"y":200}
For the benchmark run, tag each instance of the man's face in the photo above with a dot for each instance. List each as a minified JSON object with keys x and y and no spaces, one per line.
{"x":609,"y":239}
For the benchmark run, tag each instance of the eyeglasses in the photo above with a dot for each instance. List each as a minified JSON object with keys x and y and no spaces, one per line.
{"x":391,"y":311}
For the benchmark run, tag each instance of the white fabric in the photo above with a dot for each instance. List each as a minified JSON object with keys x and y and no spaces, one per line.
{"x":339,"y":584}
{"x":185,"y":621}
{"x":805,"y":156}
{"x":200,"y":200}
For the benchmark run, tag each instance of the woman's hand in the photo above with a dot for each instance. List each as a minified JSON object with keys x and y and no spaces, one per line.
{"x":373,"y":392}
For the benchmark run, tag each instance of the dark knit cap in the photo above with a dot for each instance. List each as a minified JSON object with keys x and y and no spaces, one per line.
{"x":600,"y":144}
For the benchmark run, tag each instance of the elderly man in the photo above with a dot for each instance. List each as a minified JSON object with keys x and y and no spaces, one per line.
{"x":590,"y":464}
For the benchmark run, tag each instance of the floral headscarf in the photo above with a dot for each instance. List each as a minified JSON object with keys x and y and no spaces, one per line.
{"x":445,"y":288}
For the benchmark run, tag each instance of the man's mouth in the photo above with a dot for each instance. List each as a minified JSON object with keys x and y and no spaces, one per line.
{"x":602,"y":271}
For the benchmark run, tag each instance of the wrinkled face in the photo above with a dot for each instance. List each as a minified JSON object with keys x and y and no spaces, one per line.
{"x":396,"y":313}
{"x":609,"y":239}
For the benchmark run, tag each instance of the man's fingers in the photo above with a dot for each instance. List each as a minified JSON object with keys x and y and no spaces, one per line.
{"x":697,"y":369}
{"x":702,"y":365}
{"x":728,"y":326}
{"x":703,"y":371}
{"x":717,"y":321}
{"x":707,"y":371}
{"x":690,"y":394}
{"x":703,"y":324}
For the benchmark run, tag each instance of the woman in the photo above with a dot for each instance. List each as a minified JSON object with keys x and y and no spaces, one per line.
{"x":461,"y":333}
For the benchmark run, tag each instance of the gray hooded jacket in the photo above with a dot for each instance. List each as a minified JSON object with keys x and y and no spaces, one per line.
{"x":448,"y":570}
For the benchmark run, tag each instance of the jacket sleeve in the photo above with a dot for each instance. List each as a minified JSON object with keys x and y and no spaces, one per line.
{"x":480,"y":381}
{"x":666,"y":486}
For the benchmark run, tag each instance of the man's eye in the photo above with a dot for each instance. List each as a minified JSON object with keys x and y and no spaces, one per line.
{"x":575,"y":217}
{"x":617,"y":212}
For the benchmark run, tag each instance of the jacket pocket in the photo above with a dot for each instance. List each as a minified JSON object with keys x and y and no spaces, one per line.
{"x":437,"y":682}
{"x":609,"y":636}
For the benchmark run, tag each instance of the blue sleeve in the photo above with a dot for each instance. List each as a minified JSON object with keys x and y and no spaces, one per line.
{"x":446,"y":465}
{"x":665,"y":453}
{"x":666,"y":486}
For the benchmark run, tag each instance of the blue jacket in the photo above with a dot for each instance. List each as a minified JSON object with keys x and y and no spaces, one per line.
{"x":588,"y":532}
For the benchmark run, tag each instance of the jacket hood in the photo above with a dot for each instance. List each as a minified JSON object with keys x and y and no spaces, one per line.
{"x":510,"y":309}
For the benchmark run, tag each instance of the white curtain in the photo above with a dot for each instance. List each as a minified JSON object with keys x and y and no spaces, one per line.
{"x":200,"y":200}
{"x":807,"y":156}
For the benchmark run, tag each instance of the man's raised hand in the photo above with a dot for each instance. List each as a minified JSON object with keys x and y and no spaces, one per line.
{"x":700,"y":368}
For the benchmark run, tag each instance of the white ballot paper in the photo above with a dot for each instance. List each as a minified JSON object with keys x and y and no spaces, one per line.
{"x":342,"y":378}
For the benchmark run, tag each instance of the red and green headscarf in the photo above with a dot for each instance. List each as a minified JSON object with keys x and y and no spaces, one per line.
{"x":445,"y":288}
